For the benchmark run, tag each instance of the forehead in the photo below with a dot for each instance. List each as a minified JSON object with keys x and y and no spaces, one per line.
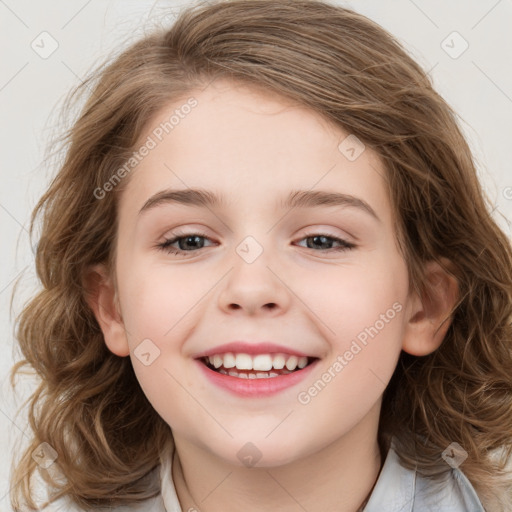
{"x":249,"y":146}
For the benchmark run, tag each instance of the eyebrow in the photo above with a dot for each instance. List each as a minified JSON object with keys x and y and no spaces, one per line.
{"x":296,"y":199}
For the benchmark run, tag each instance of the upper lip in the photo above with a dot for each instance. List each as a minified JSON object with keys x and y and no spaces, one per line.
{"x":244,"y":347}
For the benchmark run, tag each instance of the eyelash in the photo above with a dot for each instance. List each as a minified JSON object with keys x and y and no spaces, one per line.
{"x":165,"y":245}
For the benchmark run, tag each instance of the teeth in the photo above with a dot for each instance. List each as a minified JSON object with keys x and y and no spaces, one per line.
{"x":243,"y":362}
{"x":279,"y":361}
{"x":291,"y":364}
{"x":229,"y":360}
{"x":259,"y":375}
{"x":260,"y":362}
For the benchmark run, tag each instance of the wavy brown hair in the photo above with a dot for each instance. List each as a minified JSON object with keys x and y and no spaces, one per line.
{"x":89,"y":406}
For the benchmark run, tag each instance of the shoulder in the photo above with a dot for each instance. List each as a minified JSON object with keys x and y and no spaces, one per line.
{"x":405,"y":490}
{"x":41,"y":493}
{"x":453,"y":493}
{"x":66,"y":505}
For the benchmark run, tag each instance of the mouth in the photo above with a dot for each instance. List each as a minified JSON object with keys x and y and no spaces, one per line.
{"x":260,"y":366}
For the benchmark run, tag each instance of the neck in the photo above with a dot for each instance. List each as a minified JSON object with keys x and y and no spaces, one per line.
{"x":338,"y":478}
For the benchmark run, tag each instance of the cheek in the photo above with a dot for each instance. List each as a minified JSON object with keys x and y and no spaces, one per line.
{"x":357,"y":300}
{"x":366,"y":323}
{"x":372,"y":310}
{"x":156,"y":298}
{"x":158,"y":317}
{"x":363,"y":319}
{"x":362,"y":358}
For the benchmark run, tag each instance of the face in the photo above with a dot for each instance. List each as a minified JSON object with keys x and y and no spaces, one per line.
{"x":254,"y":280}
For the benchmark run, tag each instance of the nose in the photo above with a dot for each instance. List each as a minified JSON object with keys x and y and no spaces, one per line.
{"x":254,"y":289}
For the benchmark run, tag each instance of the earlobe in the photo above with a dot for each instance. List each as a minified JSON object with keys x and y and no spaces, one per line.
{"x":430,"y":315}
{"x":101,"y":298}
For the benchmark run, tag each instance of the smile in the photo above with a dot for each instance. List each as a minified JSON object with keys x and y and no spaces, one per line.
{"x":261,"y":366}
{"x":255,"y":375}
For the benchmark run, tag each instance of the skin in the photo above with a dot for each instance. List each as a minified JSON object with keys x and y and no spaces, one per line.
{"x":255,"y":148}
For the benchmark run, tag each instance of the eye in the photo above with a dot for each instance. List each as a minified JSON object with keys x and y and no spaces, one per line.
{"x":195,"y":241}
{"x":323,"y":239}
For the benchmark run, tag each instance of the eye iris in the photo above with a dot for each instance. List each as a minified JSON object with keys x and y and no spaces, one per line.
{"x":317,"y":238}
{"x":187,"y":238}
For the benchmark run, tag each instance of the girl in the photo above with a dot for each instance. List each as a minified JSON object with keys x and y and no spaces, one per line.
{"x":336,"y":336}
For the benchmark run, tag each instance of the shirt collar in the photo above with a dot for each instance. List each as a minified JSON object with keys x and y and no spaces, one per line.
{"x":395,"y":487}
{"x":168,"y":491}
{"x":398,"y":489}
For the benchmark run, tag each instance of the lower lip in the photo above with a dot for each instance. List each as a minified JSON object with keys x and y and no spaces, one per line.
{"x":256,"y":387}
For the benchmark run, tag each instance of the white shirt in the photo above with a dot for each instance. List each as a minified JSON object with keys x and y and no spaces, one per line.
{"x":397,"y":489}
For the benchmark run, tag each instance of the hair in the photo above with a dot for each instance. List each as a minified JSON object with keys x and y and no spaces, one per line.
{"x":88,"y":404}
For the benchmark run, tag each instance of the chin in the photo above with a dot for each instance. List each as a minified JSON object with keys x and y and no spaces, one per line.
{"x":255,"y":452}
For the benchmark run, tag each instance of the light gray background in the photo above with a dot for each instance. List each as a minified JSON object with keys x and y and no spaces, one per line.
{"x":478,"y":84}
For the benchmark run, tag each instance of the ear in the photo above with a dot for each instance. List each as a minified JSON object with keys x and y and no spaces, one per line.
{"x":430,"y":314}
{"x":101,"y":297}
